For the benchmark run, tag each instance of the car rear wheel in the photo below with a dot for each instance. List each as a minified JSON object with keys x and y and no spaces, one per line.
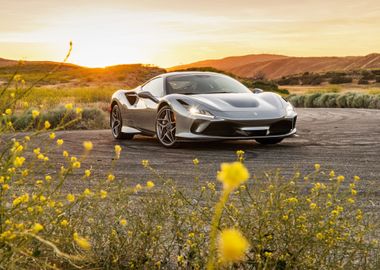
{"x":166,"y":127}
{"x":269,"y":140}
{"x":117,"y":124}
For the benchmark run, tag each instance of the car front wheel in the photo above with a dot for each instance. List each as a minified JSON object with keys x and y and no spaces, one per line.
{"x":166,"y":127}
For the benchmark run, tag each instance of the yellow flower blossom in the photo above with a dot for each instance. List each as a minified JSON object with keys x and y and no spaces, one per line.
{"x":8,"y":111}
{"x":150,"y":184}
{"x":47,"y":125}
{"x":232,"y":246}
{"x":195,"y":161}
{"x":78,"y":110}
{"x":117,"y":151}
{"x":52,"y":136}
{"x":37,"y":151}
{"x":145,"y":163}
{"x":138,"y":187}
{"x":353,"y":192}
{"x":111,"y":177}
{"x":313,"y":205}
{"x":59,"y":142}
{"x":70,"y":197}
{"x":319,"y":236}
{"x":65,"y":153}
{"x":232,"y":175}
{"x":350,"y":200}
{"x":37,"y":227}
{"x":87,"y":145}
{"x":356,"y":178}
{"x":48,"y":178}
{"x":76,"y":164}
{"x":35,"y":114}
{"x":340,"y":178}
{"x":103,"y":194}
{"x":64,"y":223}
{"x":82,"y":242}
{"x":123,"y":222}
{"x":19,"y":161}
{"x":69,"y":106}
{"x":87,"y":192}
{"x":317,"y":166}
{"x":87,"y":173}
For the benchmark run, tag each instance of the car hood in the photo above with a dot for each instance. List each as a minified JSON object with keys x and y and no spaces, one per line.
{"x":267,"y":105}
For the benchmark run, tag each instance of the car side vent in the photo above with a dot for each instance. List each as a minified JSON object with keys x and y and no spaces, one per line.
{"x":131,"y":97}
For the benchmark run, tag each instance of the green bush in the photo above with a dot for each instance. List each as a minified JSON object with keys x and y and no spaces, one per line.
{"x":335,"y":100}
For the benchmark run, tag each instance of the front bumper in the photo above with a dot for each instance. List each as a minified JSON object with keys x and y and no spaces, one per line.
{"x":235,"y":129}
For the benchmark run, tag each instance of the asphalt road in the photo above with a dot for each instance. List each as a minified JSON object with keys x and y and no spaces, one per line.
{"x":346,"y":140}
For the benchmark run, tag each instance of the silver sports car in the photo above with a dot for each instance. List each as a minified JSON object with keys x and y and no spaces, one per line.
{"x":186,"y":106}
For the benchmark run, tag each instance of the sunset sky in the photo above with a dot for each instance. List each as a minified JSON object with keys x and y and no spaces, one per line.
{"x":168,"y":33}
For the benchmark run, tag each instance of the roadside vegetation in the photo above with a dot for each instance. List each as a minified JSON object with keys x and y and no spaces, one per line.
{"x":241,"y":220}
{"x":336,"y":100}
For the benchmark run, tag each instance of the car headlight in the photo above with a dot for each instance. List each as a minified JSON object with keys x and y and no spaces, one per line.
{"x":193,"y":110}
{"x":289,"y":109}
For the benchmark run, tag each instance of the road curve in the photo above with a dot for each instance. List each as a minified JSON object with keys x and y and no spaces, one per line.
{"x":346,"y":140}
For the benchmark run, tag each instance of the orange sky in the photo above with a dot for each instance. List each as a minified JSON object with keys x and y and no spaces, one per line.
{"x":168,"y":33}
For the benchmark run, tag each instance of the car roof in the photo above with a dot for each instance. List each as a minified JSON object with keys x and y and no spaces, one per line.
{"x":165,"y":75}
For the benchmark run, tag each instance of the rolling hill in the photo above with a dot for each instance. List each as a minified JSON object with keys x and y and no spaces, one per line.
{"x":276,"y":66}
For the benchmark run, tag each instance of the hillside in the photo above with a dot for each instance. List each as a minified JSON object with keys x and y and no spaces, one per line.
{"x":277,"y":66}
{"x":73,"y":75}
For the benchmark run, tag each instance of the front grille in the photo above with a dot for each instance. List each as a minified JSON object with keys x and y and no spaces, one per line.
{"x":281,"y":127}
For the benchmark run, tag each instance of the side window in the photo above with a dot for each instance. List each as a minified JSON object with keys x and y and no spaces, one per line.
{"x":156,"y":87}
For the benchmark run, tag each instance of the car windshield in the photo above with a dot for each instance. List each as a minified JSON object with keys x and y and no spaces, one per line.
{"x":203,"y":84}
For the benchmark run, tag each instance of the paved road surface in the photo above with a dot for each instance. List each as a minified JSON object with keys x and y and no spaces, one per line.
{"x":346,"y":140}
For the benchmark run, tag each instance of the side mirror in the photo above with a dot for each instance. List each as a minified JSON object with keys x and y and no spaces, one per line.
{"x":256,"y":90}
{"x":148,"y":95}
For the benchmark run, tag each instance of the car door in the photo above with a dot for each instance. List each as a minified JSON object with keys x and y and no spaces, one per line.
{"x":146,"y":113}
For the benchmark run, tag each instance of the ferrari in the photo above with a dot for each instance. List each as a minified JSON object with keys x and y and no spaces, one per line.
{"x":187,"y":106}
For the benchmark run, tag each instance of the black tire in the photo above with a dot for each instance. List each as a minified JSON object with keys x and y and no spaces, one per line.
{"x":117,"y":124}
{"x":269,"y":140}
{"x":165,"y":128}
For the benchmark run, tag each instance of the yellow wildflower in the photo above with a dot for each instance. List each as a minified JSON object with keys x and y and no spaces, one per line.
{"x":82,"y":242}
{"x":319,"y":236}
{"x":69,"y":106}
{"x":78,"y":110}
{"x":195,"y":161}
{"x":59,"y":142}
{"x":340,"y":178}
{"x":356,"y":178}
{"x":64,"y":223}
{"x":232,"y":246}
{"x":76,"y":164}
{"x":8,"y":111}
{"x":47,"y":124}
{"x":70,"y":197}
{"x":117,"y":151}
{"x":65,"y":153}
{"x":37,"y":227}
{"x":52,"y":136}
{"x":123,"y":222}
{"x":37,"y":151}
{"x":87,"y":192}
{"x":232,"y":175}
{"x":35,"y":114}
{"x":103,"y":194}
{"x":313,"y":205}
{"x":19,"y":161}
{"x":111,"y":177}
{"x":138,"y":187}
{"x":87,"y":173}
{"x":87,"y":145}
{"x":149,"y":184}
{"x":317,"y":166}
{"x":145,"y":163}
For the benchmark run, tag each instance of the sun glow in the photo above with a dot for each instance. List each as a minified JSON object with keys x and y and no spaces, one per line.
{"x":120,"y":32}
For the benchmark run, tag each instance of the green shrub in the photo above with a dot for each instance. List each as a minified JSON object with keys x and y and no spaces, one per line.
{"x":340,"y":79}
{"x":363,"y":81}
